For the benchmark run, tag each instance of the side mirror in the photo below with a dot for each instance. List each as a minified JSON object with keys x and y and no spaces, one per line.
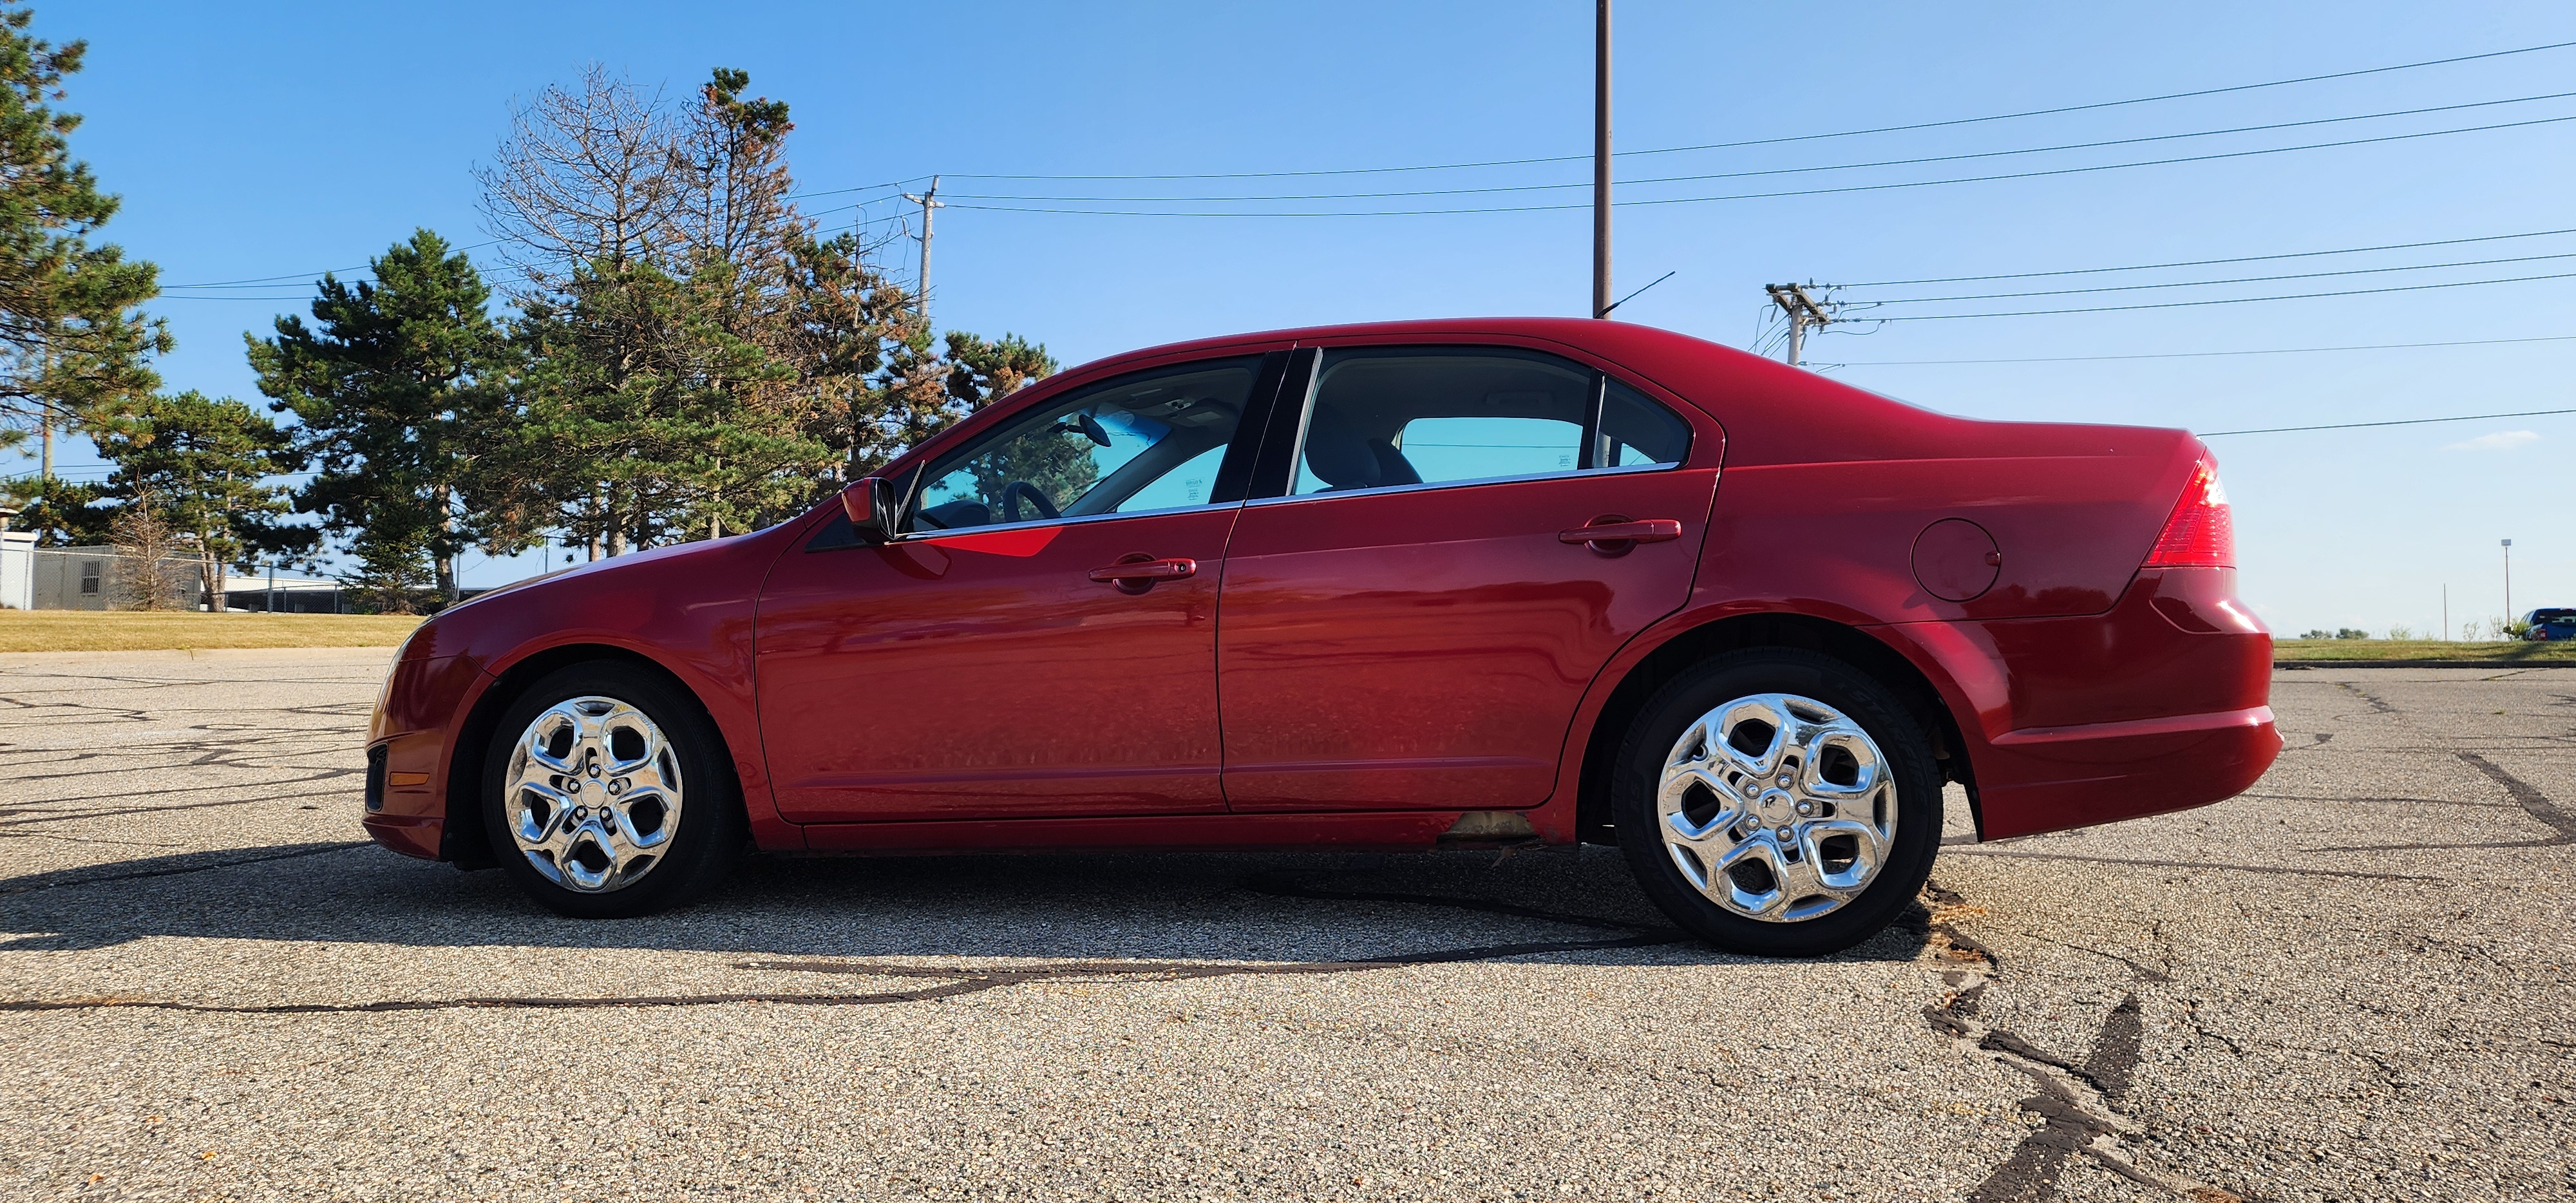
{"x":869,"y":502}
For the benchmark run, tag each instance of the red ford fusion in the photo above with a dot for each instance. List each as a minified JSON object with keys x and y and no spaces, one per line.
{"x":1410,"y":586}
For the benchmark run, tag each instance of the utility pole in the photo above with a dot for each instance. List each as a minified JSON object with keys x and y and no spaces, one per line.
{"x":1803,"y":310}
{"x":929,"y":201}
{"x":45,"y":466}
{"x":2446,"y":612}
{"x":1601,"y":160}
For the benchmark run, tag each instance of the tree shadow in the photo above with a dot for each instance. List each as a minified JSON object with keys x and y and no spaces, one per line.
{"x":1571,"y":905}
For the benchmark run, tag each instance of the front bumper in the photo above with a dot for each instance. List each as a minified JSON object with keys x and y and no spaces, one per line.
{"x":425,"y":702}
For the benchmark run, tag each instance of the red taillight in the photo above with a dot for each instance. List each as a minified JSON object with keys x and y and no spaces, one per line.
{"x":2200,"y":533}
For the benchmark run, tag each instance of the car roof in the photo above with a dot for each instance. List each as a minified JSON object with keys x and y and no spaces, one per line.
{"x":1771,"y":412}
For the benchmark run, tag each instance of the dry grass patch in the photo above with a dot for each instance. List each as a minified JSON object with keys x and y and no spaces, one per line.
{"x":2497,"y":650}
{"x":116,"y":631}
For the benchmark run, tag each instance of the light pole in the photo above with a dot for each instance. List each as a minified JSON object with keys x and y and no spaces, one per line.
{"x":2508,"y":584}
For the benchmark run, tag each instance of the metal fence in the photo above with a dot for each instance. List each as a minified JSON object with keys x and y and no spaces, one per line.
{"x":96,"y":578}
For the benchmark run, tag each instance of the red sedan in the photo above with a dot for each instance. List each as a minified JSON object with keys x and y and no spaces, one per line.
{"x":1408,"y":586}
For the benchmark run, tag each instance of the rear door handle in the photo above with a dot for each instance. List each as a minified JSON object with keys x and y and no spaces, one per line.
{"x":1137,"y":573}
{"x":1619,"y":536}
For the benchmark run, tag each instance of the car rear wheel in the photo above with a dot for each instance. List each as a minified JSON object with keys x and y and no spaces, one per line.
{"x":607,"y":796}
{"x":1778,"y":803}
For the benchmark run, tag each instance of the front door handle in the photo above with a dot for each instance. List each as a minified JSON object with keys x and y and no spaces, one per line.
{"x":1614,"y":535}
{"x":1138,"y":573}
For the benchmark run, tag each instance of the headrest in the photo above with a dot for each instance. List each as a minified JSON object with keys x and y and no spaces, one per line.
{"x":1337,"y":451}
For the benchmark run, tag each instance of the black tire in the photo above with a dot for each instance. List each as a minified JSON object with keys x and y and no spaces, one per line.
{"x":707,"y":834}
{"x":1859,"y":697}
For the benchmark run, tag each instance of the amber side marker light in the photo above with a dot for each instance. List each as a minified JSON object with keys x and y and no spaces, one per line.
{"x":2201,"y":532}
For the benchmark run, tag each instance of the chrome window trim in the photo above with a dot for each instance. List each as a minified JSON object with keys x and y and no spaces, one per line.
{"x":1586,"y":473}
{"x":1033,"y":523}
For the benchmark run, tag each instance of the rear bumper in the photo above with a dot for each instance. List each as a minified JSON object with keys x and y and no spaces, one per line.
{"x":2161,"y":703}
{"x":2054,"y":778}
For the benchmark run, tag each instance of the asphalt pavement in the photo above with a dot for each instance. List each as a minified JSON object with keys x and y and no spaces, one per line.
{"x":2352,"y":983}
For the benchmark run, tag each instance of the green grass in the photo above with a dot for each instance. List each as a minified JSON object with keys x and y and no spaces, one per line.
{"x":2496,"y":651}
{"x":127,"y":631}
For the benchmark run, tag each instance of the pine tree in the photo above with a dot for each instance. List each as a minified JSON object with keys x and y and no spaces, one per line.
{"x":846,"y":324}
{"x":202,"y":465}
{"x":397,"y":391}
{"x":70,"y":340}
{"x":692,"y":359}
{"x":389,"y":577}
{"x":984,"y":372}
{"x":665,"y":395}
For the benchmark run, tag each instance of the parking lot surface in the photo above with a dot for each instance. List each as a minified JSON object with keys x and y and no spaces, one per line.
{"x":2351,"y":983}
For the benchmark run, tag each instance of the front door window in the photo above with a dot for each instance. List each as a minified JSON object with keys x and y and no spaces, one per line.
{"x":1151,"y":441}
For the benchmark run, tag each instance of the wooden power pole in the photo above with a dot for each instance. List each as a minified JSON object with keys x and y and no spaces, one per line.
{"x":928,"y":201}
{"x":1803,"y":310}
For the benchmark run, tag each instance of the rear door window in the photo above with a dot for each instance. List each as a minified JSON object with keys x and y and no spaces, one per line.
{"x":1394,"y":417}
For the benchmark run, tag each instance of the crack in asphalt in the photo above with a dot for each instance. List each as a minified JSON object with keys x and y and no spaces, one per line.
{"x":2341,"y":800}
{"x":963,"y":981}
{"x":75,"y":877}
{"x":2077,"y":1101}
{"x":2194,"y":864}
{"x":114,"y":812}
{"x":2378,"y":705}
{"x":2538,"y":805}
{"x":957,"y":981}
{"x":1282,"y":888}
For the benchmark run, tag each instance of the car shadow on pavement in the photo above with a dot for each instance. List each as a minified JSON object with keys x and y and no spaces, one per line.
{"x":1558,"y":904}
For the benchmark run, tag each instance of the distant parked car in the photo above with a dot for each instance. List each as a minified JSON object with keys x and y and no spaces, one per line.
{"x":1427,"y":585}
{"x":2547,"y":624}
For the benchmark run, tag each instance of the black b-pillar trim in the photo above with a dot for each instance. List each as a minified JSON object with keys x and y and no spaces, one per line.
{"x":1234,"y":472}
{"x":1591,"y":456}
{"x":1278,"y":460}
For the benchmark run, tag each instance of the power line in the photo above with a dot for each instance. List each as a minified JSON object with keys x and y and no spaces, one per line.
{"x":1737,"y":175}
{"x":2295,"y":296}
{"x":2353,"y":271}
{"x":1883,"y":129}
{"x":902,"y":183}
{"x":2140,"y":267}
{"x":2528,"y":413}
{"x":297,"y":277}
{"x":2475,"y":342}
{"x":333,"y":271}
{"x":1693,"y":200}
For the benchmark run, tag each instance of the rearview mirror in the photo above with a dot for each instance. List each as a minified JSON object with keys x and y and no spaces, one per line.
{"x":869,"y":501}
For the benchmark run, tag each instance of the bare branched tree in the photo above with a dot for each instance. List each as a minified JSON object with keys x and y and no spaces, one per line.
{"x":149,"y":572}
{"x":692,"y":358}
{"x":584,"y":179}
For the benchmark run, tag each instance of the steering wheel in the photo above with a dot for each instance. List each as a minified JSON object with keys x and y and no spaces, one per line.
{"x":1014,"y":491}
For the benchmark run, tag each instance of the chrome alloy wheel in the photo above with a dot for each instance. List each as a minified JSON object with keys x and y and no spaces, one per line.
{"x":593,"y":794}
{"x":1777,"y":807}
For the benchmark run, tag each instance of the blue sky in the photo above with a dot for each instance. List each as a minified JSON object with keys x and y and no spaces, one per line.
{"x":282,"y":139}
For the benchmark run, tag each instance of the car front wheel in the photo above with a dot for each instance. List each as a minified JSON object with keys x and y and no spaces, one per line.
{"x":606,"y":794}
{"x":1778,"y":802}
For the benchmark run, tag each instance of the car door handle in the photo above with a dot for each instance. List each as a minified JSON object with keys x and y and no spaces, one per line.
{"x":1138,"y":574}
{"x":1623,"y":534}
